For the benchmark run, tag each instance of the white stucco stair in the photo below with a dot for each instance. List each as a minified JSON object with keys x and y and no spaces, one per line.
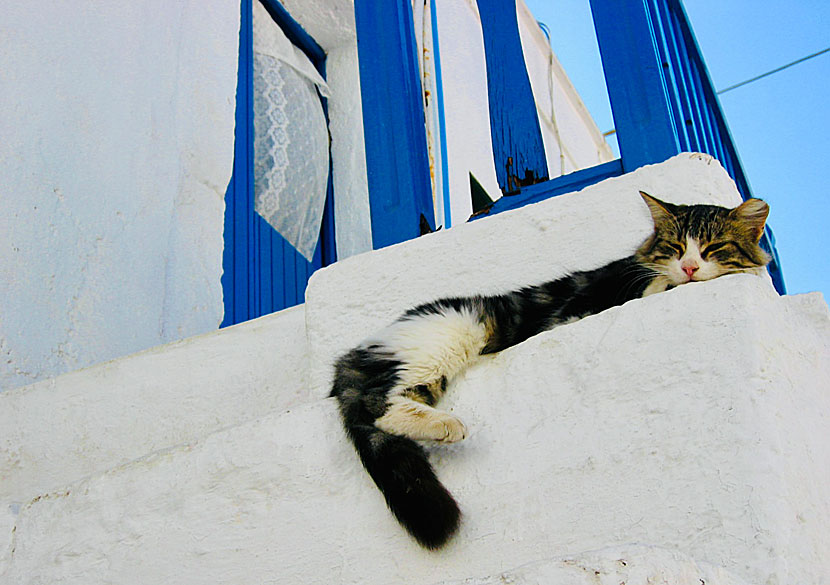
{"x":56,"y":432}
{"x":693,"y":422}
{"x":352,"y":299}
{"x":112,"y":413}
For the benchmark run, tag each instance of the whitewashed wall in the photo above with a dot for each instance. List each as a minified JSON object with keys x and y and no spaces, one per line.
{"x":117,"y":142}
{"x":466,"y":106}
{"x":117,"y":150}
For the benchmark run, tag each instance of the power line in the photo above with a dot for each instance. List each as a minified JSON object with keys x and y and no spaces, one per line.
{"x":757,"y":77}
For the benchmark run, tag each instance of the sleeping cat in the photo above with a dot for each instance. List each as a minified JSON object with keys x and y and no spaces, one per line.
{"x":388,"y":385}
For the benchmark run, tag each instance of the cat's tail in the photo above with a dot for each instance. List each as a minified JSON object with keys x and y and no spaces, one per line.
{"x":400,"y":468}
{"x":398,"y":465}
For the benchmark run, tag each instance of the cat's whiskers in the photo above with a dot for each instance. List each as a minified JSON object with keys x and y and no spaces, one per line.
{"x":641,"y":273}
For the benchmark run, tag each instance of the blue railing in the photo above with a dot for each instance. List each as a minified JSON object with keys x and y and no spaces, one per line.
{"x":662,"y":97}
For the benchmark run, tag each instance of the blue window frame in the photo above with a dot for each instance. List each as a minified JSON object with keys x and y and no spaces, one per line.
{"x":262,"y":272}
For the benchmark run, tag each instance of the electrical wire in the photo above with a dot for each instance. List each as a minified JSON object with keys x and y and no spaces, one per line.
{"x":756,"y":78}
{"x":776,"y":70}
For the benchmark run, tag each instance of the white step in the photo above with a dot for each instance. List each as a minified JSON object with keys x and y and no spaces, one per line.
{"x":115,"y":412}
{"x":628,"y":565}
{"x":55,"y":432}
{"x":692,"y":421}
{"x":352,"y":299}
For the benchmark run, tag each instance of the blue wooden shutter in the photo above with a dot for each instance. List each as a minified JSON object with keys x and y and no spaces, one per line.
{"x":262,"y":272}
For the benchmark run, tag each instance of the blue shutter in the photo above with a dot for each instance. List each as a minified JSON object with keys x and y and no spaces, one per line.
{"x":262,"y":272}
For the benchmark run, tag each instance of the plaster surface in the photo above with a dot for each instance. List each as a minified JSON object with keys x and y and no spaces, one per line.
{"x":675,"y":422}
{"x":466,"y":105}
{"x":351,"y":203}
{"x":116,"y":152}
{"x":58,"y":431}
{"x":627,"y":565}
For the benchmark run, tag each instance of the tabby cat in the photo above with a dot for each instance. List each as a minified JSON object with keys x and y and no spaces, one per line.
{"x":388,"y":385}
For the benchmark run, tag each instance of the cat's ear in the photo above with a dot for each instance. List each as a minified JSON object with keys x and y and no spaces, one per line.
{"x":660,"y":210}
{"x":753,"y":214}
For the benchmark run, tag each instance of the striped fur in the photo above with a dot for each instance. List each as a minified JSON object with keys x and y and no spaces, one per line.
{"x":387,"y":386}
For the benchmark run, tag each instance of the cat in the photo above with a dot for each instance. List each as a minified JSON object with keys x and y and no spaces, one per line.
{"x":388,"y":385}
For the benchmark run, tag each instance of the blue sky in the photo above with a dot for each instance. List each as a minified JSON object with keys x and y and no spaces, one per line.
{"x":780,"y":124}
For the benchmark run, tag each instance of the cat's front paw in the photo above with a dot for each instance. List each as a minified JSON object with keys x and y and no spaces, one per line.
{"x":450,"y":429}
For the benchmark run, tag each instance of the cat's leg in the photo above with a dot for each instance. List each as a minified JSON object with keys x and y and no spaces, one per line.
{"x":429,"y":393}
{"x":416,"y":420}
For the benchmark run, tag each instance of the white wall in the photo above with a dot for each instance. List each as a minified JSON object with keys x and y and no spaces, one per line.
{"x":466,"y":106}
{"x":117,"y":151}
{"x":117,"y":122}
{"x":60,"y":430}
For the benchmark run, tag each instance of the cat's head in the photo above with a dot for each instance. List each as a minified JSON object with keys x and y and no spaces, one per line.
{"x":701,"y":242}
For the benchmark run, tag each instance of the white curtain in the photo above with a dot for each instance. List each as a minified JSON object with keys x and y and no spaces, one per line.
{"x":291,"y":139}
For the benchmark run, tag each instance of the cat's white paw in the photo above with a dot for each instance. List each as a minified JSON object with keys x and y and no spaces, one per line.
{"x":449,"y":429}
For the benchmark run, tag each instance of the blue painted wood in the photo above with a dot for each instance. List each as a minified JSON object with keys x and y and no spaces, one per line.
{"x":645,"y":123}
{"x":236,"y":260}
{"x":442,"y":127}
{"x":661,"y":94}
{"x":394,"y":131}
{"x":296,"y":33}
{"x":686,"y":67}
{"x":663,"y":42}
{"x":518,"y":149}
{"x":262,"y":272}
{"x":558,"y":186}
{"x":675,"y":64}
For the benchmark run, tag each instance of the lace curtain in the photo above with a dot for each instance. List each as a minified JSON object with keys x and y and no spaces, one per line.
{"x":291,"y":139}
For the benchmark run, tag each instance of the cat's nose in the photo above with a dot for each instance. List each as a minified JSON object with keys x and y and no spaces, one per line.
{"x":690,"y":269}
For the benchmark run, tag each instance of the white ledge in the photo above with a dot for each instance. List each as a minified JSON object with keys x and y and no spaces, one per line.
{"x":693,"y":420}
{"x":352,"y":299}
{"x":55,"y":432}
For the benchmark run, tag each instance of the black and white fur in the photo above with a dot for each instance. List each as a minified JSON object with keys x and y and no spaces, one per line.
{"x":387,"y":386}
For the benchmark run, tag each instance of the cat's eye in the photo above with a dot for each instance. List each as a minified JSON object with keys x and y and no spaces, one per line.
{"x":676,"y":248}
{"x":713,"y":248}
